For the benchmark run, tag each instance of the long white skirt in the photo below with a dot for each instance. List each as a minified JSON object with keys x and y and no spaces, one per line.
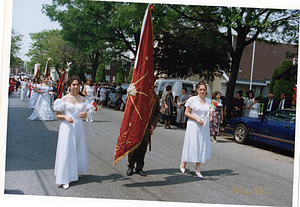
{"x":71,"y":153}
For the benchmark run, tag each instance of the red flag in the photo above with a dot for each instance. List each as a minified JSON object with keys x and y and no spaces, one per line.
{"x":139,"y":106}
{"x":61,"y":82}
{"x":37,"y":72}
{"x":47,"y":68}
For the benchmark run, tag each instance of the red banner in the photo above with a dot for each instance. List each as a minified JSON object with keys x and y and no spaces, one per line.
{"x":47,"y":68}
{"x":60,"y":86}
{"x":138,"y":107}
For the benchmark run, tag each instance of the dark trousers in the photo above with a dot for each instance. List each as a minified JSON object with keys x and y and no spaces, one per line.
{"x":138,"y":155}
{"x":118,"y":102}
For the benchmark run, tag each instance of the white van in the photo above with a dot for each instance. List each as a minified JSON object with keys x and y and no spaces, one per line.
{"x":177,"y":85}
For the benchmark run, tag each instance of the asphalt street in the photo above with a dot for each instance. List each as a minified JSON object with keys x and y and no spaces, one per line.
{"x":236,"y":174}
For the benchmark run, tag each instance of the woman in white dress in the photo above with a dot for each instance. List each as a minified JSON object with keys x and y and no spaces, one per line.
{"x":254,"y":108}
{"x":102,"y":95}
{"x":89,"y":91}
{"x":24,"y":89}
{"x":34,"y":94}
{"x":71,"y":154}
{"x":42,"y":110}
{"x":196,"y":147}
{"x":248,"y":103}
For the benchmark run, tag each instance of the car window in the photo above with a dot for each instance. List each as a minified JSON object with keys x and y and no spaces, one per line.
{"x":156,"y":86}
{"x":161,"y":89}
{"x":188,"y":87}
{"x":283,"y":116}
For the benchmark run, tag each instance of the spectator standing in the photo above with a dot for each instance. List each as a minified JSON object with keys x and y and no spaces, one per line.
{"x":248,"y":103}
{"x":254,"y":108}
{"x":284,"y":103}
{"x":167,"y":106}
{"x":217,"y":116}
{"x":118,"y":96}
{"x":270,"y":105}
{"x":181,"y":118}
{"x":238,"y":104}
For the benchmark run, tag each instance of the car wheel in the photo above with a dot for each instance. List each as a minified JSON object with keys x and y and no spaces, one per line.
{"x":122,"y":106}
{"x":241,"y":134}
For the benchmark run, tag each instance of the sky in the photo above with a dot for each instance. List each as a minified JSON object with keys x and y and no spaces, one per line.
{"x":27,"y":17}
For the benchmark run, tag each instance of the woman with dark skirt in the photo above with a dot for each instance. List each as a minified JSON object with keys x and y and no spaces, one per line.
{"x":167,"y":106}
{"x":217,"y":116}
{"x":181,"y":118}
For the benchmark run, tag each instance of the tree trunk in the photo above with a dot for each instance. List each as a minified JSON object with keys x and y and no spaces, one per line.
{"x":236,"y":58}
{"x":95,"y":63}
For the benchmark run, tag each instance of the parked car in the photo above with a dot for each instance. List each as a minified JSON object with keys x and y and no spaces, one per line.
{"x":107,"y":91}
{"x":276,"y":128}
{"x":111,"y":98}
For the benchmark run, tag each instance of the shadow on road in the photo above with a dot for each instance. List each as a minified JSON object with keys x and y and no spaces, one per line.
{"x":178,"y":178}
{"x":85,"y":179}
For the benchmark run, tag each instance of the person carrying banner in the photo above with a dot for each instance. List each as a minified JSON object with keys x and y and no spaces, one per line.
{"x":138,"y":155}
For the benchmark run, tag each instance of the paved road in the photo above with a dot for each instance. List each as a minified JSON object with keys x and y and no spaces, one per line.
{"x":31,"y":147}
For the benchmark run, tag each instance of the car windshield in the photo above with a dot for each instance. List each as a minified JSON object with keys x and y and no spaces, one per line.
{"x":282,"y":115}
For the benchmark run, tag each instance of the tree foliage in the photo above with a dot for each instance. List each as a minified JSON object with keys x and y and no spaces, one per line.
{"x":282,"y":81}
{"x":130,"y":75}
{"x":247,"y":25}
{"x":16,"y":44}
{"x":100,"y":75}
{"x":105,"y":31}
{"x":50,"y":44}
{"x":120,"y":75}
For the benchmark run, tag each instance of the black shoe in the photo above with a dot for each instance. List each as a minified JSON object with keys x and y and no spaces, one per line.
{"x":129,"y":171}
{"x":141,"y":172}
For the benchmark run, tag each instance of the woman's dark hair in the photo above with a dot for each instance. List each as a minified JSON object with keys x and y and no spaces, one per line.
{"x":201,"y":83}
{"x":213,"y":96}
{"x":184,"y":89}
{"x":249,"y":93}
{"x":91,"y":82}
{"x":257,"y":99}
{"x":168,"y":87}
{"x":240,"y":93}
{"x":71,"y":79}
{"x":36,"y":79}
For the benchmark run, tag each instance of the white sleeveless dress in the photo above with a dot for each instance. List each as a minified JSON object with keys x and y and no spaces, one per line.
{"x":71,"y":153}
{"x":196,"y":147}
{"x":33,"y":97}
{"x":24,"y":90}
{"x":90,"y":93}
{"x":42,"y":110}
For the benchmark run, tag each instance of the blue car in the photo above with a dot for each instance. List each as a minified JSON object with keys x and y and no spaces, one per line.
{"x":276,"y":128}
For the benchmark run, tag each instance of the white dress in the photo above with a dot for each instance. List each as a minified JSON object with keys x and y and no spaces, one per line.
{"x":90,"y":93}
{"x":24,"y":90}
{"x":196,"y":147}
{"x":254,"y":112}
{"x":33,"y":97}
{"x":71,"y":153}
{"x":102,"y":94}
{"x":42,"y":110}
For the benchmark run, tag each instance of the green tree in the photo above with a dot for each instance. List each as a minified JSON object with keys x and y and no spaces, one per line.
{"x":16,"y":44}
{"x":50,"y":43}
{"x":100,"y":75}
{"x":130,"y":75}
{"x":120,"y":75}
{"x":282,"y":81}
{"x":247,"y":25}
